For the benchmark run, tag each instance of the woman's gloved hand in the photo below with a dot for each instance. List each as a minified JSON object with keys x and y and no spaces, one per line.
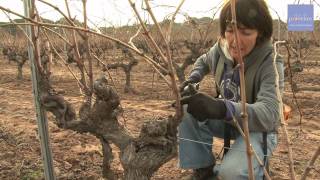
{"x":188,"y":87}
{"x":202,"y":106}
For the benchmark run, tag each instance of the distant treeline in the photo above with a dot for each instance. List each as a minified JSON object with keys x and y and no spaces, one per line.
{"x":13,"y":30}
{"x":186,"y":27}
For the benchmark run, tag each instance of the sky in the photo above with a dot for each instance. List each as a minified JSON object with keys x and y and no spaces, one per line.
{"x":119,"y":12}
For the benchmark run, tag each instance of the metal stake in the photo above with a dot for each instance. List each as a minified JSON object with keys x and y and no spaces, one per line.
{"x":40,"y":112}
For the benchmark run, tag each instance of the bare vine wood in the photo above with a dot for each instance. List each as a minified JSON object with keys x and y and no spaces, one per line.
{"x":266,"y":174}
{"x":288,"y":47}
{"x":78,"y":59}
{"x":63,"y":60}
{"x":88,"y":53}
{"x":168,"y":39}
{"x":197,"y":49}
{"x":68,"y":19}
{"x":244,"y":114}
{"x":310,"y":164}
{"x":282,"y":121}
{"x":149,"y":60}
{"x":140,"y":156}
{"x":126,"y":67}
{"x":16,"y":54}
{"x":155,"y":145}
{"x":167,"y":59}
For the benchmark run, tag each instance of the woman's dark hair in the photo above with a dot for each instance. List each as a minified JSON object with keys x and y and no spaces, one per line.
{"x":253,"y":14}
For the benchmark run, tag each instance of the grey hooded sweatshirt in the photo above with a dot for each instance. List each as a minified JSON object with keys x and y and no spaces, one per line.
{"x":263,"y":111}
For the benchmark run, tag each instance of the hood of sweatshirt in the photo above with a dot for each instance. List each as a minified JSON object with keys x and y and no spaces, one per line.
{"x":260,"y":51}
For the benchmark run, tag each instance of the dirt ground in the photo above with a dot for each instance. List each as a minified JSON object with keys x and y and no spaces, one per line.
{"x":78,"y":156}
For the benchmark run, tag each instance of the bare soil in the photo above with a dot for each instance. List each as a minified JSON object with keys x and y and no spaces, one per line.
{"x":79,"y":156}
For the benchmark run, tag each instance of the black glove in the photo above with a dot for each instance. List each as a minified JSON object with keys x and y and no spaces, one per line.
{"x":202,"y":107}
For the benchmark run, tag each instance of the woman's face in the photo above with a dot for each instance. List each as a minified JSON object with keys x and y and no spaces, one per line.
{"x":247,"y":41}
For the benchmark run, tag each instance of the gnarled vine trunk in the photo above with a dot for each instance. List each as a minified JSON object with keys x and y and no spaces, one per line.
{"x":141,"y":156}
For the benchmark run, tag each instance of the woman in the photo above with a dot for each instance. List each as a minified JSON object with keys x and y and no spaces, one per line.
{"x":206,"y":116}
